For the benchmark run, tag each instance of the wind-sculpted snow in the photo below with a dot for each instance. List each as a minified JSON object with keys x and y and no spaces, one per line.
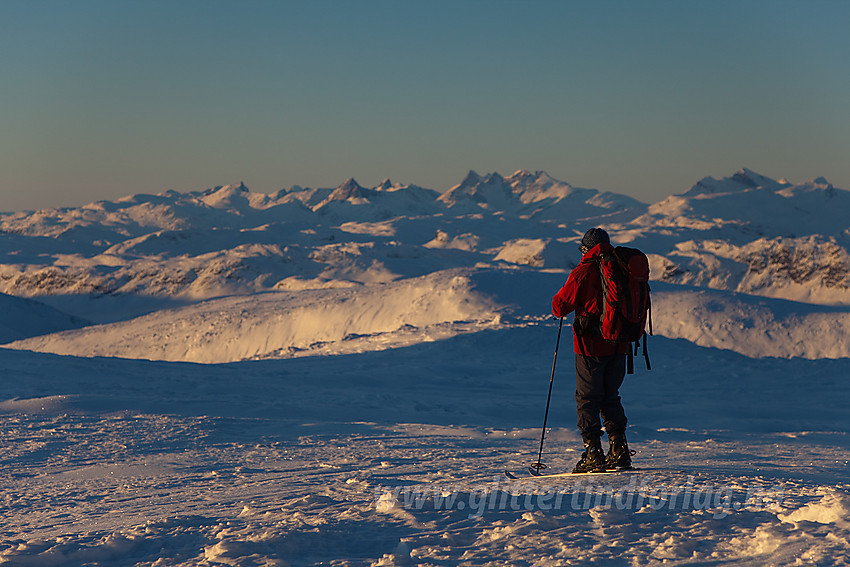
{"x":751,"y":325}
{"x":290,"y":323}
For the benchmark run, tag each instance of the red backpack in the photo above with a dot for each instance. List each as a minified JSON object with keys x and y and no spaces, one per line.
{"x":626,"y":306}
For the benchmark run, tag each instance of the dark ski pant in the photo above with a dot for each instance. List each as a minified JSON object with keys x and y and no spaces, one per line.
{"x":598,"y":381}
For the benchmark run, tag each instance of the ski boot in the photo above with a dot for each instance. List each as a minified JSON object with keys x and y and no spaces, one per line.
{"x":593,"y":459}
{"x":619,"y":455}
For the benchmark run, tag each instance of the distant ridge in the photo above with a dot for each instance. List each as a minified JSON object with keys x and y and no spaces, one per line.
{"x":745,"y":232}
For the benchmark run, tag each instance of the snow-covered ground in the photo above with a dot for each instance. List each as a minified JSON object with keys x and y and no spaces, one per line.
{"x":341,"y":377}
{"x":439,"y":305}
{"x":396,"y":457}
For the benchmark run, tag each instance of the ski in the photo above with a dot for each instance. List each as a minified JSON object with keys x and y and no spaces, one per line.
{"x":515,"y":476}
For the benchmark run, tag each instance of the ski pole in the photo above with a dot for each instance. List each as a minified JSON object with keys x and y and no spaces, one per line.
{"x":535,"y":468}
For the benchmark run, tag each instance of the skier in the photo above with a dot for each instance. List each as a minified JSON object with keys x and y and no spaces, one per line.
{"x":600,"y":364}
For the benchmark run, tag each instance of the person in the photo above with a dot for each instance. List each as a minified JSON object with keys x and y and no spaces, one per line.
{"x":600,"y":364}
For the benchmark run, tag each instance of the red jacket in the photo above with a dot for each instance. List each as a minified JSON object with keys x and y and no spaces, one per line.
{"x":583,"y":294}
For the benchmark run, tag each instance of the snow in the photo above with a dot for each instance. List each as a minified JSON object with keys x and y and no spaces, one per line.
{"x":283,"y":324}
{"x":396,"y":455}
{"x":23,"y":318}
{"x":271,"y":385}
{"x":750,"y":325}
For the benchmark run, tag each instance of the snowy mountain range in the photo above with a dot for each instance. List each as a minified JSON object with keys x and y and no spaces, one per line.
{"x":375,"y":359}
{"x":110,"y":262}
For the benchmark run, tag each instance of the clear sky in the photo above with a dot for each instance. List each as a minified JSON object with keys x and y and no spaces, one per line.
{"x":100,"y":99}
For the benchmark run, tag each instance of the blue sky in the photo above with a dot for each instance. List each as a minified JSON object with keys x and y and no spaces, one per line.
{"x":101,"y":99}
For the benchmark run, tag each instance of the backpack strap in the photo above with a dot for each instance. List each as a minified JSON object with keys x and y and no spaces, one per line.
{"x":645,"y":336}
{"x":649,"y":309}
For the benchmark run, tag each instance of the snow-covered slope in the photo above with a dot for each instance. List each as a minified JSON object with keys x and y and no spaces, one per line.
{"x":751,"y":234}
{"x":813,"y":269}
{"x":21,"y":318}
{"x":284,"y":324}
{"x":361,"y":318}
{"x":396,"y":458}
{"x":749,"y":204}
{"x":751,"y":325}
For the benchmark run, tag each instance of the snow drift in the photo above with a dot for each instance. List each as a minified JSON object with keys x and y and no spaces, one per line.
{"x":348,"y":319}
{"x":751,"y":325}
{"x":286,"y":324}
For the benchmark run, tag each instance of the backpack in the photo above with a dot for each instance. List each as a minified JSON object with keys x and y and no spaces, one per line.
{"x":626,"y":306}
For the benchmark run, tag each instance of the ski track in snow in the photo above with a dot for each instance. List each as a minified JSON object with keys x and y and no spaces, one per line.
{"x":396,"y":458}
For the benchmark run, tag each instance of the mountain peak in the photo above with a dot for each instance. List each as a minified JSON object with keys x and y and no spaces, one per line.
{"x":749,"y":178}
{"x":349,"y":188}
{"x":385,"y":185}
{"x":350,"y":191}
{"x":350,"y":184}
{"x":472,"y":178}
{"x":527,"y":176}
{"x":490,"y":191}
{"x":229,"y":188}
{"x":743,"y":180}
{"x":494,"y":177}
{"x":226,"y":196}
{"x":538,"y":186}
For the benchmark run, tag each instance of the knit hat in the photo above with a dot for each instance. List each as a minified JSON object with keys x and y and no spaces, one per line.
{"x":593,"y":237}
